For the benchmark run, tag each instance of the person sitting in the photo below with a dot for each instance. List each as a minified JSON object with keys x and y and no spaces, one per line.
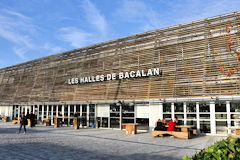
{"x":157,"y":122}
{"x":171,"y":126}
{"x":176,"y":121}
{"x":75,"y":114}
{"x":164,"y":123}
{"x":159,"y":126}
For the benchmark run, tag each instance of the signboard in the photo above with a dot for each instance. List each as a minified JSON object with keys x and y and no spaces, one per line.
{"x":115,"y":76}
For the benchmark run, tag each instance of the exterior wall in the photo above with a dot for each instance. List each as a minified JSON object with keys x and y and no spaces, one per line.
{"x":186,"y":54}
{"x":217,"y":118}
{"x":142,"y":111}
{"x":154,"y":114}
{"x":6,"y":111}
{"x":103,"y":110}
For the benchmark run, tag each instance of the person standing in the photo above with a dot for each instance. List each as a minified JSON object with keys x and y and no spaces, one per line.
{"x":32,"y":119}
{"x":60,"y":119}
{"x":23,"y":123}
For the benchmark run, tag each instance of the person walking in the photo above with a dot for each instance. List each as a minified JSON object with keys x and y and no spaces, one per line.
{"x":23,"y":123}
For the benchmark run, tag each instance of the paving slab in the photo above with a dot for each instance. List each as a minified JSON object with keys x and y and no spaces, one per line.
{"x":93,"y":144}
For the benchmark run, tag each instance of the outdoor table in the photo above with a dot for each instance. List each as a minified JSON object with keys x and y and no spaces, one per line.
{"x":46,"y":121}
{"x":131,"y":128}
{"x":76,"y":121}
{"x":184,"y":128}
{"x":29,"y":122}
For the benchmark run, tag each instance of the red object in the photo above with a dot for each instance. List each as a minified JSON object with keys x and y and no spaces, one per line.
{"x":123,"y":126}
{"x":171,"y":126}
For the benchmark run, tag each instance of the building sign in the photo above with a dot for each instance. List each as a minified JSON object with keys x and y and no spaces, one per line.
{"x":116,"y":76}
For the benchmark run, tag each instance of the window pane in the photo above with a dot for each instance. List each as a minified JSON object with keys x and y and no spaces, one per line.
{"x":191,"y":116}
{"x":221,"y":127}
{"x":115,"y":107}
{"x":191,"y":107}
{"x":204,"y":107}
{"x":205,"y":126}
{"x":220,"y":107}
{"x":178,"y":107}
{"x":128,"y":107}
{"x":166,"y":107}
{"x":221,"y":116}
{"x":235,"y":106}
{"x":204,"y":116}
{"x":84,"y":108}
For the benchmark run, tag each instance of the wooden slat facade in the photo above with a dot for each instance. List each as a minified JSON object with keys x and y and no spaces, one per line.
{"x":187,"y":55}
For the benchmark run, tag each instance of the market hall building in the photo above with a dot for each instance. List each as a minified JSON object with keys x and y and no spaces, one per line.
{"x":189,"y":71}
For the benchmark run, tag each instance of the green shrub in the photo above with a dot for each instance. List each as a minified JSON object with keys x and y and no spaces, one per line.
{"x":227,"y":149}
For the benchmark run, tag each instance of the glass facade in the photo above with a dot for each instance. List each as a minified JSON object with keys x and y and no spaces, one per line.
{"x":214,"y":117}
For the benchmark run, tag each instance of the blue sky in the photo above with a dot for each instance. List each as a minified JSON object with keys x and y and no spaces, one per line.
{"x":31,"y":29}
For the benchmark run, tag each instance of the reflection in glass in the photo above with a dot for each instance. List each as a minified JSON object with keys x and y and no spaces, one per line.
{"x":221,"y":127}
{"x":115,"y":107}
{"x":191,"y":116}
{"x":235,"y":106}
{"x":166,"y":107}
{"x":205,"y":126}
{"x":167,"y":116}
{"x":191,"y":107}
{"x":221,"y":116}
{"x":178,"y":107}
{"x":204,"y":116}
{"x":204,"y":107}
{"x":220,"y":107}
{"x":114,"y":123}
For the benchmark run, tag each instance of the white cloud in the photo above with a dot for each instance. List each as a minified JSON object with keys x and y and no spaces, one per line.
{"x":20,"y":52}
{"x":52,"y":48}
{"x":16,"y":28}
{"x":22,"y":33}
{"x":75,"y":36}
{"x":169,"y":13}
{"x":189,"y":10}
{"x":94,"y":17}
{"x":139,"y":12}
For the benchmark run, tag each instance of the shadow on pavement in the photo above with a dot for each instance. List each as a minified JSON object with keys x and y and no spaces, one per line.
{"x":29,"y":151}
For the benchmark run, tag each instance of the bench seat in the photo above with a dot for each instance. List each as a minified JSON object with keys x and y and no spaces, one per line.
{"x":181,"y":135}
{"x":15,"y":121}
{"x":47,"y":122}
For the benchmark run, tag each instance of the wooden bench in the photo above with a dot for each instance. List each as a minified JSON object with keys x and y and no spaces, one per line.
{"x":47,"y":122}
{"x":181,"y":135}
{"x":6,"y":119}
{"x":15,"y":121}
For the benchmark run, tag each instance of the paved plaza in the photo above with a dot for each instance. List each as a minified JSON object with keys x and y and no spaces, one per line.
{"x":88,"y":144}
